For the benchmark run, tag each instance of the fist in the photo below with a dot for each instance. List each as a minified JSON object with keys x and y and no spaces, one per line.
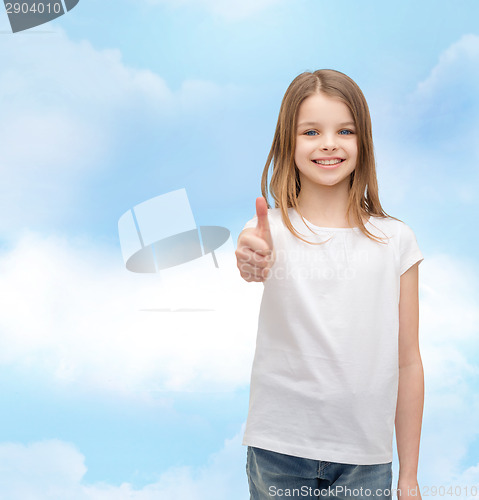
{"x":255,"y":253}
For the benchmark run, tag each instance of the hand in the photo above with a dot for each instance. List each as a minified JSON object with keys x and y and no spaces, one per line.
{"x":408,"y":489}
{"x":255,"y":252}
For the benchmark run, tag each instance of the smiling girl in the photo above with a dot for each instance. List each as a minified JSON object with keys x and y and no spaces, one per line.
{"x":337,"y":362}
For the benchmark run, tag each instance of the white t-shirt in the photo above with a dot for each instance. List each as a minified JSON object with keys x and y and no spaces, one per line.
{"x":325,"y":374}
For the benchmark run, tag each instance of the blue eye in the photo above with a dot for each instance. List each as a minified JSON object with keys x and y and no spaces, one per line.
{"x":312,"y":133}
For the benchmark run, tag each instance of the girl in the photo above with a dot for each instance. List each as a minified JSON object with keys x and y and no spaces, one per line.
{"x":337,"y":361}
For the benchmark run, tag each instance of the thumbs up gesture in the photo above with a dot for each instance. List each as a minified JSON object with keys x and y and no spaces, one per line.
{"x":255,"y":252}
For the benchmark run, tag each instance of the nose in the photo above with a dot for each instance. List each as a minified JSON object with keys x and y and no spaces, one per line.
{"x":328,"y":144}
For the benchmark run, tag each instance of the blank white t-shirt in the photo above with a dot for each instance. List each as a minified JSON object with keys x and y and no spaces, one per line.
{"x":325,"y":374}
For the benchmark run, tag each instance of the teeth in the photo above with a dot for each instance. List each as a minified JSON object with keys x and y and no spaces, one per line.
{"x":327,"y":162}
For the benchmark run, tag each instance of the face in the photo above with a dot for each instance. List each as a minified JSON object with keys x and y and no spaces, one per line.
{"x":326,"y":142}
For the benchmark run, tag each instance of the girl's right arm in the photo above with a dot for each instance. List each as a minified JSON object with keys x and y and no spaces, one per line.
{"x":255,"y":252}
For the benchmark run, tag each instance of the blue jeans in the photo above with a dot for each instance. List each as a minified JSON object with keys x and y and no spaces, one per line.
{"x":274,"y":475}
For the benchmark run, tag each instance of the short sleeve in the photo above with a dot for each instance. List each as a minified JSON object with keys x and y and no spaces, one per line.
{"x":409,"y":252}
{"x":251,"y":223}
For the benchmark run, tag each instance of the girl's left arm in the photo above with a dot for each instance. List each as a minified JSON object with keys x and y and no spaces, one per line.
{"x":410,"y":400}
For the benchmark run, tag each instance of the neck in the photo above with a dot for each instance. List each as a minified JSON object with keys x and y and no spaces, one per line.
{"x":326,"y":205}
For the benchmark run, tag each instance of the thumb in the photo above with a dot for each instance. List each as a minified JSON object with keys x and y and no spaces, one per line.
{"x":262,"y":226}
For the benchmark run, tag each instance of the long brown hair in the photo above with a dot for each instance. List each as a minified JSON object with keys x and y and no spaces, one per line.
{"x":285,"y":183}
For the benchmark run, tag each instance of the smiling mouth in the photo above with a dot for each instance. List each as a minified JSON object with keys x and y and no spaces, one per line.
{"x":327,"y":162}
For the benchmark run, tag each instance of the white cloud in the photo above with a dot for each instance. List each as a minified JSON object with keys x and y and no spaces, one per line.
{"x":455,"y":78}
{"x":72,"y":314}
{"x":428,"y":147}
{"x":69,"y":310}
{"x":229,"y":11}
{"x":39,"y":470}
{"x":470,"y":477}
{"x":67,"y":110}
{"x":54,"y":470}
{"x":443,"y":108}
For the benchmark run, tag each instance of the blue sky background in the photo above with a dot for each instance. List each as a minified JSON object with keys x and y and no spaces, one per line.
{"x":119,"y":101}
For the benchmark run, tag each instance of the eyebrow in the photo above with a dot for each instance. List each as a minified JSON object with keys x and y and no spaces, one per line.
{"x":344,"y":124}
